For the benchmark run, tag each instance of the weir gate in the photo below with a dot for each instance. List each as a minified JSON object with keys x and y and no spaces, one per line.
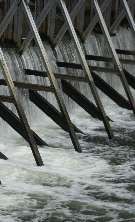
{"x":27,"y":22}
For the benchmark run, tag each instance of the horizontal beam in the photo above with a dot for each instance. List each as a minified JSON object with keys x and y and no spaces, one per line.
{"x":79,"y":67}
{"x":35,"y":87}
{"x":109,"y":59}
{"x":70,"y":76}
{"x":7,"y":99}
{"x":125,"y":52}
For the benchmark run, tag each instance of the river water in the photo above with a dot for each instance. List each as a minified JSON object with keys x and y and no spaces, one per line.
{"x":95,"y":186}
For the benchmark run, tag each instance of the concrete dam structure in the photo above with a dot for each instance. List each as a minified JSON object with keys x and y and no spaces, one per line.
{"x":42,"y":25}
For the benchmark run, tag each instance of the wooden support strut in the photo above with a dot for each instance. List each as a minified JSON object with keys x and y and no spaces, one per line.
{"x":125,"y":52}
{"x":8,"y":116}
{"x":19,"y":109}
{"x":115,"y":56}
{"x":85,"y":67}
{"x":51,"y":75}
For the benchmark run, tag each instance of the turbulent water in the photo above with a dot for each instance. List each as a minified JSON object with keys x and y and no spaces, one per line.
{"x":95,"y":186}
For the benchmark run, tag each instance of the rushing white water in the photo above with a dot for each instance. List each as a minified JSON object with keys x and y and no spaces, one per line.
{"x":97,"y":185}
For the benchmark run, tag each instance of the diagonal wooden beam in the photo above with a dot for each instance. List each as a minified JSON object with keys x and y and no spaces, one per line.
{"x":64,"y":28}
{"x":19,"y":109}
{"x":85,"y":66}
{"x":7,"y":19}
{"x":120,"y":17}
{"x":50,"y":4}
{"x":95,"y":19}
{"x":115,"y":56}
{"x":128,"y":14}
{"x":51,"y":75}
